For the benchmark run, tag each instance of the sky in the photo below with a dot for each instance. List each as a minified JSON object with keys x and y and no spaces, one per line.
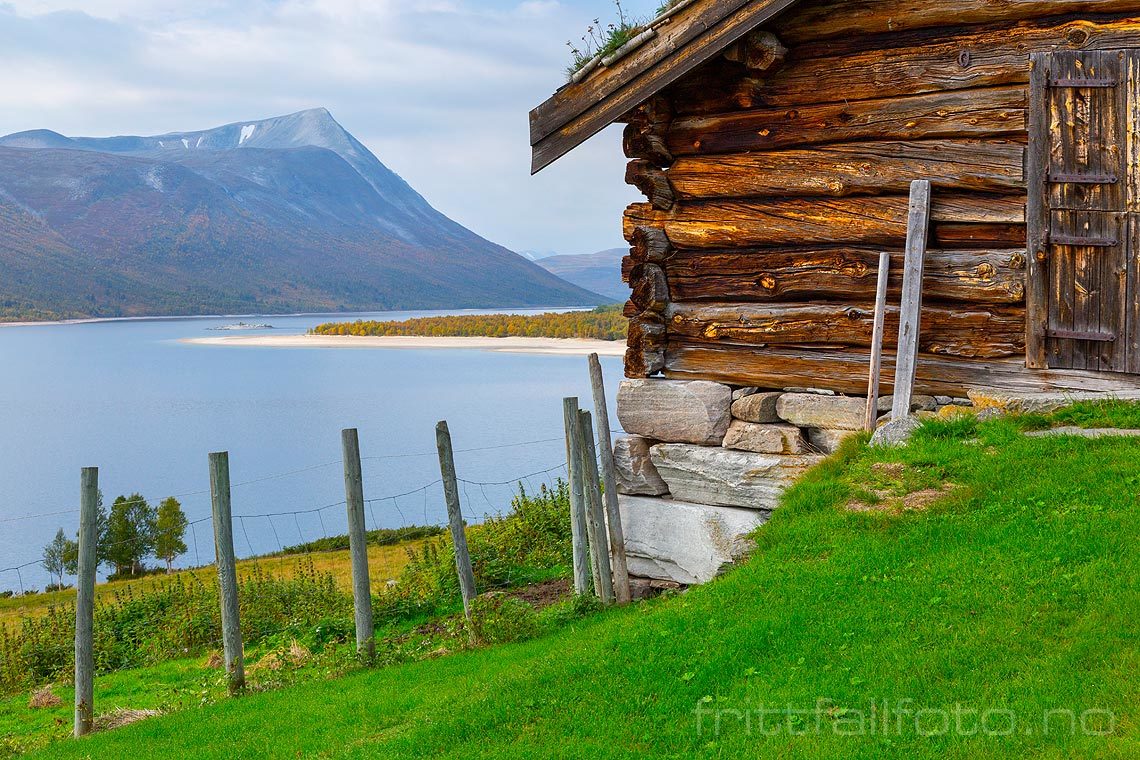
{"x":438,"y":89}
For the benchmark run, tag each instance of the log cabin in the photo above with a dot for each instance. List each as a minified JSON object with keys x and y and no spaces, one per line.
{"x":775,"y":142}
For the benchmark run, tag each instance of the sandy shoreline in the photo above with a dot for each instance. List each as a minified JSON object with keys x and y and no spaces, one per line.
{"x":556,"y":346}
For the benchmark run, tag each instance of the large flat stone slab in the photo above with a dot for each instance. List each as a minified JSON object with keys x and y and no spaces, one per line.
{"x":825,"y":412}
{"x":728,"y":478}
{"x":1086,"y":432}
{"x":675,"y":411}
{"x":1042,"y":403}
{"x":765,"y":439}
{"x":635,"y":472}
{"x":685,"y":543}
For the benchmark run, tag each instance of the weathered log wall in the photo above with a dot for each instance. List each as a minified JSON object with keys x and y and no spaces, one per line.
{"x":777,"y":174}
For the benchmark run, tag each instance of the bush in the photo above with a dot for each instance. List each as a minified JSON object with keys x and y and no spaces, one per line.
{"x":381,"y":537}
{"x":500,"y":619}
{"x":177,"y":618}
{"x":530,"y":544}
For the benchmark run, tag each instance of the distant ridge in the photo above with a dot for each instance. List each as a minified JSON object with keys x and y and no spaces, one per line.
{"x":290,"y":213}
{"x":598,"y":272}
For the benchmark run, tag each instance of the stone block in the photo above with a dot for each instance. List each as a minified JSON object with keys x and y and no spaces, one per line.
{"x":676,"y":411}
{"x":828,"y":441}
{"x":728,"y":478}
{"x":826,"y":412}
{"x":635,"y":471}
{"x":757,"y":407}
{"x":684,"y":543}
{"x":764,"y":439}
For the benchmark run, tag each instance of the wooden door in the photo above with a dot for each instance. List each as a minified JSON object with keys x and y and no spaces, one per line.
{"x":1084,"y":206}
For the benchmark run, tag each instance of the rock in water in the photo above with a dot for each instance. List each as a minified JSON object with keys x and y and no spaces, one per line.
{"x":677,"y":411}
{"x":685,"y":543}
{"x":727,"y":478}
{"x":764,"y":439}
{"x":636,"y":474}
{"x":827,"y":412}
{"x":757,"y":407}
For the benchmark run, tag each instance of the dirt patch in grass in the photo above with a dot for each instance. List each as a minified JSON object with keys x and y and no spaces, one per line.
{"x":44,"y":697}
{"x":889,"y":469}
{"x":544,"y":594}
{"x":888,"y":503}
{"x":123,"y":717}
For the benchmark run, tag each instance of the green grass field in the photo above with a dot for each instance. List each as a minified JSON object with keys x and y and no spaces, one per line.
{"x":980,"y":587}
{"x":384,"y":563}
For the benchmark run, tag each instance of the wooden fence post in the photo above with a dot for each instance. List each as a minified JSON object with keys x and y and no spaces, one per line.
{"x":577,"y":498}
{"x":599,"y":543}
{"x":609,"y":479}
{"x":227,"y":569}
{"x":910,"y":308}
{"x":455,"y":516}
{"x":358,"y":544}
{"x":85,"y":602}
{"x":877,"y":342}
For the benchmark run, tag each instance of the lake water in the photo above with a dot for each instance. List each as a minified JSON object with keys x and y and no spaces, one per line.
{"x":146,"y":409}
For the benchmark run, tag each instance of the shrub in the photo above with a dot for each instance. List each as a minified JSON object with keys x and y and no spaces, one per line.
{"x":501,"y":619}
{"x":176,"y":618}
{"x":532,"y":543}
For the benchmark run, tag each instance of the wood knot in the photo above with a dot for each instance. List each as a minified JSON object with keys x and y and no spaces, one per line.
{"x":766,"y":281}
{"x":793,"y":114}
{"x":711,"y":332}
{"x":1078,"y":37}
{"x":764,"y":132}
{"x":986,"y":271}
{"x":855,"y":314}
{"x":964,"y":59}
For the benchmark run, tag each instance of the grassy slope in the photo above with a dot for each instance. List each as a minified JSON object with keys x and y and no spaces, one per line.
{"x":1019,"y":592}
{"x":384,"y":563}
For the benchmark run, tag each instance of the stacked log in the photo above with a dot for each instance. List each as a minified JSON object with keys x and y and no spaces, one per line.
{"x":776,"y":174}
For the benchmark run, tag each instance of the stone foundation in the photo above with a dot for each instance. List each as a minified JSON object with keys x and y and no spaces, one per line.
{"x":705,"y":465}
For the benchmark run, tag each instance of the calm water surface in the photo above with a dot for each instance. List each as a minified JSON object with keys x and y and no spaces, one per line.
{"x":146,"y":409}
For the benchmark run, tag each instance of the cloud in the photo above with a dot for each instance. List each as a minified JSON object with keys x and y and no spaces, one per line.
{"x":439,"y":89}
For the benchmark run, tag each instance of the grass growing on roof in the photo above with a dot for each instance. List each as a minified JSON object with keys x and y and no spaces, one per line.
{"x":1016,"y":593}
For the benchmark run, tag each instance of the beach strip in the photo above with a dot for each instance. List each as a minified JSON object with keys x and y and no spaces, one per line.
{"x":553,"y":346}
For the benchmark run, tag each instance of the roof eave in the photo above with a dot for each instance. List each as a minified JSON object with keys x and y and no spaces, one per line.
{"x":691,"y":35}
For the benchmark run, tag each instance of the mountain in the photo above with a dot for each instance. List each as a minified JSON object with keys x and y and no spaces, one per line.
{"x":284,"y":214}
{"x":598,"y":272}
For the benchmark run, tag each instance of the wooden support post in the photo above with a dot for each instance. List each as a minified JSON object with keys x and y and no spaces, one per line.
{"x":358,"y":544}
{"x":595,"y":513}
{"x":609,"y":480}
{"x":910,"y":308}
{"x":1037,"y":160}
{"x":227,"y":569}
{"x":85,"y":601}
{"x":455,"y":516}
{"x":577,"y":498}
{"x":877,"y":342}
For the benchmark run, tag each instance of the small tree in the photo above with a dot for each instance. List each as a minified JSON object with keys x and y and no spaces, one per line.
{"x":130,"y":534}
{"x":71,"y":548}
{"x":54,"y":553}
{"x":170,"y":532}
